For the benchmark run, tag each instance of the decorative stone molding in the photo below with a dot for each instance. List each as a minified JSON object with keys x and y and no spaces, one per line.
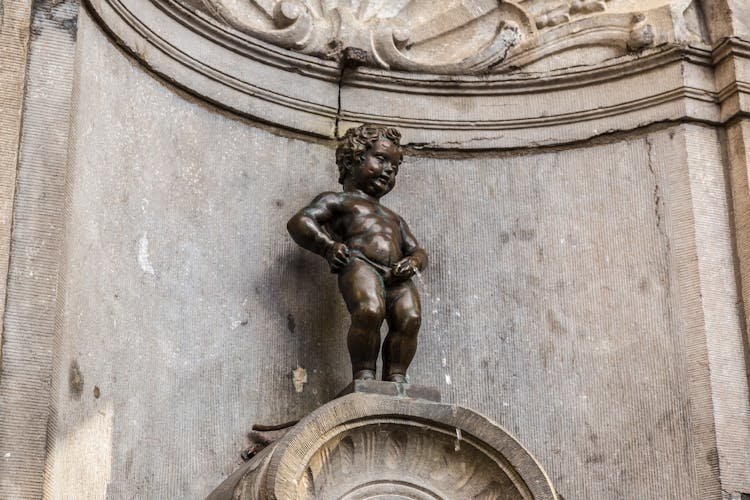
{"x":454,"y":36}
{"x":532,"y":97}
{"x":448,"y":37}
{"x":732,"y":59}
{"x":602,"y":46}
{"x":370,"y":446}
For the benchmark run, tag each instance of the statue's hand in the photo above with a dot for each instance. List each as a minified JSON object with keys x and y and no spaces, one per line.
{"x":405,"y":268}
{"x":338,"y":256}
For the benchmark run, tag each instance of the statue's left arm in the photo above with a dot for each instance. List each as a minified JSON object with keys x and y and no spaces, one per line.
{"x":414,"y":255}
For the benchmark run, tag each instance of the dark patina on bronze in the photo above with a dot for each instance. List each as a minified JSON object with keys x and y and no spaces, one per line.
{"x":371,"y":249}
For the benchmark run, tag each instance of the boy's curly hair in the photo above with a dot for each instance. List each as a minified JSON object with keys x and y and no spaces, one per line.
{"x":356,"y":141}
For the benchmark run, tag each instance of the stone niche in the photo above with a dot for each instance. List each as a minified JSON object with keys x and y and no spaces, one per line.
{"x":576,"y":169}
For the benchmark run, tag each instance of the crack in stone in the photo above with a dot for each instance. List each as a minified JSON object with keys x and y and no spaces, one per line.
{"x":338,"y":107}
{"x":350,"y":59}
{"x":460,"y":143}
{"x":657,"y":189}
{"x":658,"y":202}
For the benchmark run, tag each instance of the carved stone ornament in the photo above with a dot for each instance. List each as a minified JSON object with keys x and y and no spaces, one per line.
{"x":455,"y":74}
{"x":364,"y":446}
{"x":450,"y":36}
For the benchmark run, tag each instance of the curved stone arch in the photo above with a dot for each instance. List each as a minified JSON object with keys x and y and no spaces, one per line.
{"x":379,"y":445}
{"x":461,"y":110}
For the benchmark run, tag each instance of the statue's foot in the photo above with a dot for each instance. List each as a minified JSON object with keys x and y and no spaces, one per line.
{"x":364,"y":375}
{"x":397,"y":377}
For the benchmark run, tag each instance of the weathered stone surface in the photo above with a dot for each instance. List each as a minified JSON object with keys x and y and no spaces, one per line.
{"x":15,"y":21}
{"x":727,"y":18}
{"x":706,"y":287}
{"x":32,"y":279}
{"x":181,"y":299}
{"x":736,"y":456}
{"x":728,"y":22}
{"x":561,"y":309}
{"x":14,"y":37}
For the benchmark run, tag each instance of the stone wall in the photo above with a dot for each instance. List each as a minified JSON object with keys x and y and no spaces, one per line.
{"x":585,"y":289}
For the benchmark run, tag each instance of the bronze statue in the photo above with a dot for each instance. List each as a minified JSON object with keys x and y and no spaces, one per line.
{"x":371,"y":249}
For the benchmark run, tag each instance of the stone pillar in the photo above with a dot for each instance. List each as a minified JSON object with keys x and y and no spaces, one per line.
{"x":34,"y":188}
{"x":728,"y":22}
{"x":15,"y":21}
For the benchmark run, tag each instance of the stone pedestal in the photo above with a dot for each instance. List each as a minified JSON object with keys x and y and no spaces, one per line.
{"x":369,"y":445}
{"x":393,"y":389}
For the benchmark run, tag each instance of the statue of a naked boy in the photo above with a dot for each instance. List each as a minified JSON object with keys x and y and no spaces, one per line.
{"x":371,"y":249}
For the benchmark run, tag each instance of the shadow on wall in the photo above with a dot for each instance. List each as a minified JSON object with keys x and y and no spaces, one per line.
{"x":311,"y":327}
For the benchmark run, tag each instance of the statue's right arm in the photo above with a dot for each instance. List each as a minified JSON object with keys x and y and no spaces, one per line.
{"x":307,"y":226}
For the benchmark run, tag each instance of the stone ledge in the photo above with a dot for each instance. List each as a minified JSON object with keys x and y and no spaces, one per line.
{"x":392,"y":389}
{"x":452,"y":112}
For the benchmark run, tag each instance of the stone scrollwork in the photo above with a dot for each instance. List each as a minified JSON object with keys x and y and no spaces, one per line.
{"x":450,"y":37}
{"x":455,"y":36}
{"x":447,"y":37}
{"x":288,"y":23}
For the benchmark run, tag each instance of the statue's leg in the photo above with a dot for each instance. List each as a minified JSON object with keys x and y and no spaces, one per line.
{"x":364,"y":294}
{"x":404,"y":317}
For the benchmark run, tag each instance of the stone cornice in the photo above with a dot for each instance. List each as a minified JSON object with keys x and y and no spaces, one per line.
{"x":729,"y":47}
{"x":297,"y":91}
{"x":732,"y":60}
{"x":528,"y":83}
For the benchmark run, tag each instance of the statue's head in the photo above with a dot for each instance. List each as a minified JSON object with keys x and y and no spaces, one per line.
{"x":369,"y":156}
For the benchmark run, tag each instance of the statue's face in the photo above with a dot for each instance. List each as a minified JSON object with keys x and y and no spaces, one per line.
{"x":376,"y":174}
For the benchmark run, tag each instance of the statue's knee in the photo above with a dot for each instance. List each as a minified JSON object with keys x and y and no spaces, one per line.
{"x":411,"y":322}
{"x":369,"y":312}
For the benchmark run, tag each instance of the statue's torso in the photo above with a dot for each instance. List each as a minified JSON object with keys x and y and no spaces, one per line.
{"x":370,"y":228}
